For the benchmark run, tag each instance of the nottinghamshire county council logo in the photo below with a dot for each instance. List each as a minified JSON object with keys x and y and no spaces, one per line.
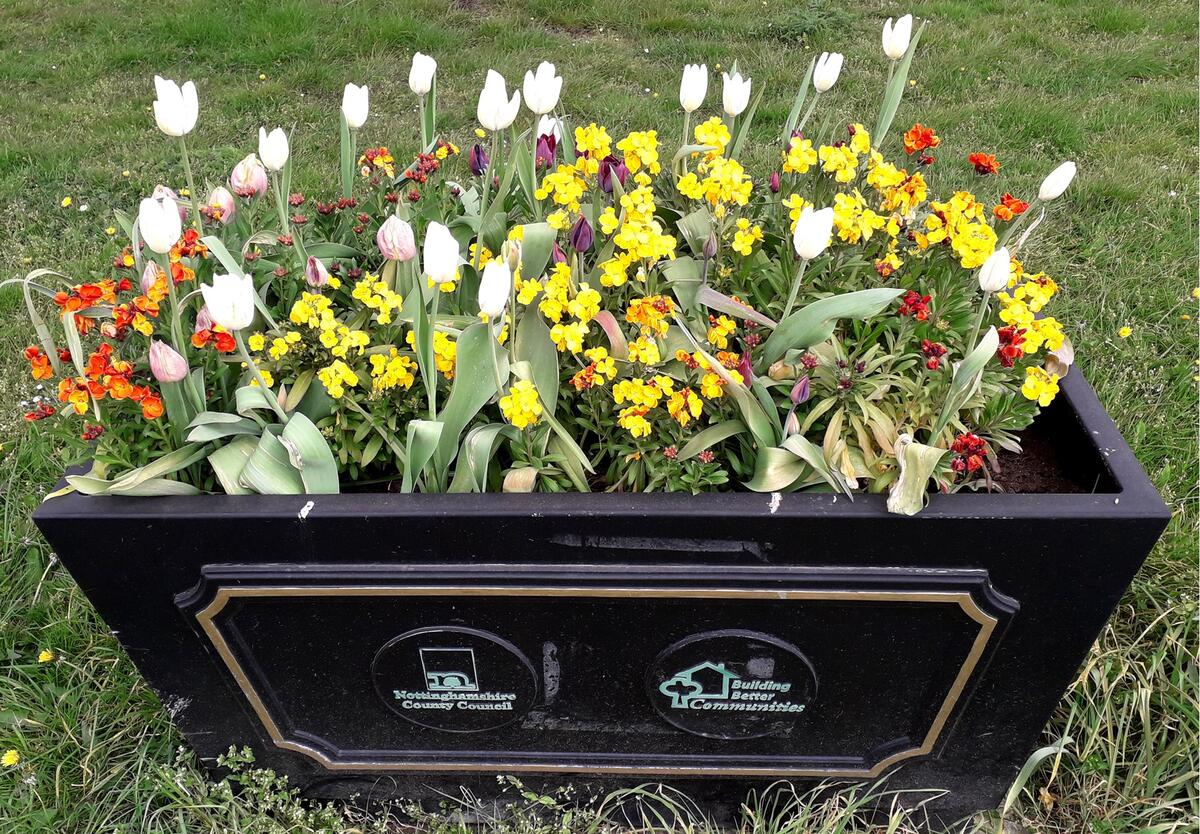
{"x":449,"y":670}
{"x":713,"y":686}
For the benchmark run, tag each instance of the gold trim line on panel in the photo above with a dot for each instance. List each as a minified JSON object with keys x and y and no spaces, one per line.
{"x":987,"y":625}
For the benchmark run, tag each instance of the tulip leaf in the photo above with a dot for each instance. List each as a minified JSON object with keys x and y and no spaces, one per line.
{"x":156,"y":487}
{"x":215,"y":431}
{"x":299,"y":389}
{"x":423,"y":437}
{"x":618,"y":346}
{"x":798,"y":105}
{"x":917,"y":462}
{"x":895,"y":91}
{"x":709,"y":297}
{"x":532,"y":344}
{"x":475,"y":456}
{"x":429,"y":113}
{"x":168,"y":464}
{"x":688,"y":150}
{"x":775,"y":470}
{"x":696,"y":229}
{"x":686,"y":277}
{"x":327,"y":249}
{"x":250,"y":398}
{"x":710,"y":437}
{"x":229,"y":461}
{"x":743,"y":127}
{"x":309,"y":452}
{"x":474,"y":385}
{"x":269,"y":470}
{"x":570,"y":464}
{"x":811,"y":454}
{"x":968,"y":375}
{"x":815,"y":322}
{"x":537,"y":242}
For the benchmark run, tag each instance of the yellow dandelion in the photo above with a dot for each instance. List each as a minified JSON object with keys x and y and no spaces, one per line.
{"x":66,"y":201}
{"x":1125,"y":332}
{"x":46,"y":656}
{"x":11,"y":758}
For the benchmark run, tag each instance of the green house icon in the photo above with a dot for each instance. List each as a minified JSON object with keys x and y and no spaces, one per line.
{"x":703,"y":682}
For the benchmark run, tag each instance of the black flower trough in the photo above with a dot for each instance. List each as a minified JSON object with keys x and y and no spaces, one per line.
{"x":378,"y":644}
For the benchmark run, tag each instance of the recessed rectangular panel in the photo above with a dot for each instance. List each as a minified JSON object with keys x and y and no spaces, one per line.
{"x":673,"y":671}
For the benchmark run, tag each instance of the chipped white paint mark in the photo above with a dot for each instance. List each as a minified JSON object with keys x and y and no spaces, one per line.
{"x":175,"y":705}
{"x":1116,"y":500}
{"x":305,"y":510}
{"x":835,"y":499}
{"x":776,"y":500}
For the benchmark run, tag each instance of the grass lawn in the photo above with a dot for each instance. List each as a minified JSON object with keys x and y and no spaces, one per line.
{"x":1111,"y":85}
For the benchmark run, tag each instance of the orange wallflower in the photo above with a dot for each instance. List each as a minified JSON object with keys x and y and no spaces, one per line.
{"x":74,"y":390}
{"x":222,"y":340}
{"x":39,"y":363}
{"x":985,"y":163}
{"x":920,"y":138}
{"x":1009,"y":208}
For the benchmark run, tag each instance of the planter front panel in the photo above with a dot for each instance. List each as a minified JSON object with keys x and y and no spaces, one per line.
{"x":717,"y":642}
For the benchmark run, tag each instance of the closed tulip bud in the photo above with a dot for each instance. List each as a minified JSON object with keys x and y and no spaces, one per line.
{"x":581,"y":236}
{"x":175,"y":108}
{"x":165,"y":362}
{"x":791,"y":425}
{"x":827,"y":70}
{"x":420,"y":76}
{"x":693,"y":87}
{"x":440,"y":255}
{"x":315,"y":273}
{"x":511,"y":252}
{"x":781,"y":371}
{"x":164,"y":191}
{"x":494,"y":287}
{"x":230,"y":301}
{"x":355,"y":105}
{"x":735,"y":94}
{"x":611,"y":166}
{"x":477,"y":160}
{"x":543,"y":155}
{"x":204,"y":320}
{"x":149,"y":277}
{"x":800,"y":391}
{"x":496,"y":111}
{"x":709,"y":250}
{"x":221,"y":205}
{"x":395,"y":240}
{"x":1056,"y":181}
{"x":273,"y":148}
{"x":159,"y":223}
{"x":542,"y":88}
{"x":746,"y":369}
{"x":774,"y":183}
{"x":993,"y":275}
{"x":249,"y":178}
{"x":812,"y":232}
{"x":557,"y":255}
{"x":895,"y":38}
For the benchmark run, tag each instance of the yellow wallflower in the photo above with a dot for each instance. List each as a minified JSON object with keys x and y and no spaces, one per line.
{"x":641,"y":149}
{"x":336,"y":376}
{"x":633,"y":420}
{"x":521,"y":406}
{"x":720,"y":328}
{"x":585,"y":305}
{"x":746,"y":236}
{"x":852,"y":219}
{"x":860,"y":140}
{"x":391,"y":370}
{"x":1040,"y":385}
{"x":795,"y":204}
{"x":840,"y":161}
{"x":569,"y":336}
{"x":799,"y":157}
{"x":256,"y":342}
{"x":651,"y":314}
{"x":645,"y":350}
{"x":713,"y":132}
{"x":684,"y":406}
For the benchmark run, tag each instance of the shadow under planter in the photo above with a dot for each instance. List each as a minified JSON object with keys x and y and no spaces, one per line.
{"x":406,"y":645}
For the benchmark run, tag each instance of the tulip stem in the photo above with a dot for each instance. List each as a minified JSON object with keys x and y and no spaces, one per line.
{"x":812,"y":106}
{"x":687,"y":132}
{"x":488,"y":175}
{"x":431,"y":388}
{"x":983,"y":308}
{"x":176,"y":331}
{"x":193,"y":197}
{"x":791,"y":302}
{"x":267,"y":392}
{"x":280,"y":203}
{"x":421,"y":115}
{"x":494,"y":337}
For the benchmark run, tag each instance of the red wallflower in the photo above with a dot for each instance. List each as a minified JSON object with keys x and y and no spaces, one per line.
{"x":920,"y":138}
{"x":1011,"y":339}
{"x":985,"y":163}
{"x":916,"y":305}
{"x":1009,"y":208}
{"x":970,"y":453}
{"x":933,"y":351}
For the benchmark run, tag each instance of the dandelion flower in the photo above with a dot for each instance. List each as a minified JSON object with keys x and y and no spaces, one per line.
{"x":11,"y":758}
{"x":66,"y":201}
{"x":45,"y":656}
{"x":1125,"y":332}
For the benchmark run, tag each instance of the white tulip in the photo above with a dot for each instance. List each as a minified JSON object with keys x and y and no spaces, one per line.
{"x":895,"y":38}
{"x":440,"y":255}
{"x":550,"y":126}
{"x":827,"y":70}
{"x":542,"y":89}
{"x":813,"y":230}
{"x":1056,"y":181}
{"x":420,"y":76}
{"x":176,"y":108}
{"x":159,"y":223}
{"x":355,"y":105}
{"x":230,"y":301}
{"x":273,"y":148}
{"x":693,"y":87}
{"x":494,"y":287}
{"x":736,"y":93}
{"x":994,"y":274}
{"x":496,"y":110}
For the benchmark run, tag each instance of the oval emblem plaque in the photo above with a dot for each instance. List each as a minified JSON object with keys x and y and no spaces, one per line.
{"x":454,"y":679}
{"x":731,"y":684}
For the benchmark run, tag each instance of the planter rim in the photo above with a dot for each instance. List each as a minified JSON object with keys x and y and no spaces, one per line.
{"x":1134,"y":495}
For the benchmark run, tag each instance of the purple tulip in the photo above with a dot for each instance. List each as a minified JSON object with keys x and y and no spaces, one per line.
{"x":557,"y":255}
{"x":611,"y":166}
{"x":315,"y":273}
{"x":477,"y":160}
{"x":800,"y":391}
{"x":745,"y":369}
{"x":581,"y":236}
{"x":774,"y":182}
{"x":165,"y":362}
{"x":545,"y":152}
{"x":395,"y":240}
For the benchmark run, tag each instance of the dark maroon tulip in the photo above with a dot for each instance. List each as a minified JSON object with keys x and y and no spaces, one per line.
{"x":477,"y":159}
{"x":557,"y":255}
{"x":544,"y":154}
{"x":744,"y":368}
{"x":581,"y":236}
{"x":611,"y":166}
{"x":774,"y":182}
